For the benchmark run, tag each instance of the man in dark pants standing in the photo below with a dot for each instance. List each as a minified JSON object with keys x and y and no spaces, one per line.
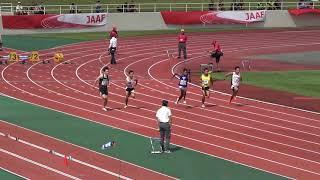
{"x":0,"y":41}
{"x":216,"y":53}
{"x":112,"y":49}
{"x":164,"y":122}
{"x":182,"y":38}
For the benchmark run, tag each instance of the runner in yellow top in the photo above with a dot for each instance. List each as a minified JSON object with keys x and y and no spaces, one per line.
{"x":206,"y":81}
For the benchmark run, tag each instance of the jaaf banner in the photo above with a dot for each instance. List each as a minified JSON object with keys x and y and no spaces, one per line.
{"x":213,"y":17}
{"x":52,"y":21}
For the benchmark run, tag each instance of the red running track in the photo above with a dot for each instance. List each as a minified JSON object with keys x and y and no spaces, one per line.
{"x":94,"y":161}
{"x":273,"y":138}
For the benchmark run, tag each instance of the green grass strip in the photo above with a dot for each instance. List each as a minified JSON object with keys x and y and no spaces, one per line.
{"x":44,"y":41}
{"x":8,"y":176}
{"x":306,"y":83}
{"x":182,"y":163}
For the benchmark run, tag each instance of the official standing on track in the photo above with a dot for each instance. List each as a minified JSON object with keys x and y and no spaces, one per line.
{"x":182,"y":45}
{"x":216,"y":53}
{"x":0,"y":42}
{"x":112,"y":49}
{"x":113,"y":32}
{"x":164,"y":122}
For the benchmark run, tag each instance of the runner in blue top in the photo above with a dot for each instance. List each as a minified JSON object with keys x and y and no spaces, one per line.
{"x":183,"y":84}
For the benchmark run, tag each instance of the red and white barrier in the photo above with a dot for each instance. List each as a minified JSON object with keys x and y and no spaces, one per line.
{"x":213,"y":17}
{"x":54,"y":21}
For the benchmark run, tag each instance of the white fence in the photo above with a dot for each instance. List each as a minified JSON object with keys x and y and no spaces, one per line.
{"x":156,"y":7}
{"x":6,"y":7}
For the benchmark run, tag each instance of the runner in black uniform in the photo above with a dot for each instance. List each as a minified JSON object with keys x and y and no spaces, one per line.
{"x":103,"y":80}
{"x":131,"y":83}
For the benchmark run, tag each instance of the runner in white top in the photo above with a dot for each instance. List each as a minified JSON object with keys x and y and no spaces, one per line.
{"x":235,"y":82}
{"x":131,"y":83}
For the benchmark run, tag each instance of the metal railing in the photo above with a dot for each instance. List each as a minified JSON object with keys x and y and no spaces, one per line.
{"x":6,"y":7}
{"x":157,"y":7}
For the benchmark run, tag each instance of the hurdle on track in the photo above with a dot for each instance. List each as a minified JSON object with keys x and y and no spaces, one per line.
{"x":154,"y":149}
{"x":246,"y":64}
{"x":209,"y":66}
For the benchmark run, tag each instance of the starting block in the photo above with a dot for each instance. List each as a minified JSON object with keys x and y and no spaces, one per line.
{"x":58,"y":57}
{"x":13,"y":57}
{"x":34,"y":57}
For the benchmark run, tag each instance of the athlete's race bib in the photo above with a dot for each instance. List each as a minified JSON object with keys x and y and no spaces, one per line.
{"x":129,"y":84}
{"x":104,"y":82}
{"x":181,"y":40}
{"x":205,"y":82}
{"x":183,"y":82}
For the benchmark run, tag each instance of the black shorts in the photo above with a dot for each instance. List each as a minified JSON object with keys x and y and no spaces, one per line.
{"x":217,"y":55}
{"x":103,"y":91}
{"x":112,"y":49}
{"x":205,"y":88}
{"x":129,"y":90}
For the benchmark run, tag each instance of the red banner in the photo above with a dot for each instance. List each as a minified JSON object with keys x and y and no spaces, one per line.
{"x":298,"y":12}
{"x":54,"y":21}
{"x":213,"y":17}
{"x":181,"y":18}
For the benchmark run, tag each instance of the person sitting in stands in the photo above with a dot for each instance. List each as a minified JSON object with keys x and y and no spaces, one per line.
{"x":303,"y":5}
{"x":126,"y":7}
{"x":240,"y":5}
{"x":211,"y":5}
{"x":233,"y":6}
{"x":98,"y":7}
{"x":120,"y":8}
{"x":261,"y":6}
{"x":72,"y":8}
{"x":221,"y":5}
{"x":19,"y":9}
{"x":277,"y":4}
{"x":132,"y":7}
{"x":270,"y":5}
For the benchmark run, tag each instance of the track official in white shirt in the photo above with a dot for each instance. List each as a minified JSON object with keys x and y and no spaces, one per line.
{"x":112,"y":49}
{"x":164,"y":121}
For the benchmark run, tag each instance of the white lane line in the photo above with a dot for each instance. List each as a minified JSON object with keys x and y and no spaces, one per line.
{"x":174,"y":116}
{"x":231,"y":115}
{"x":62,"y":155}
{"x":74,"y":107}
{"x":173,"y":134}
{"x":138,"y":100}
{"x":38,"y":164}
{"x":21,"y":176}
{"x":77,"y":99}
{"x":89,"y":150}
